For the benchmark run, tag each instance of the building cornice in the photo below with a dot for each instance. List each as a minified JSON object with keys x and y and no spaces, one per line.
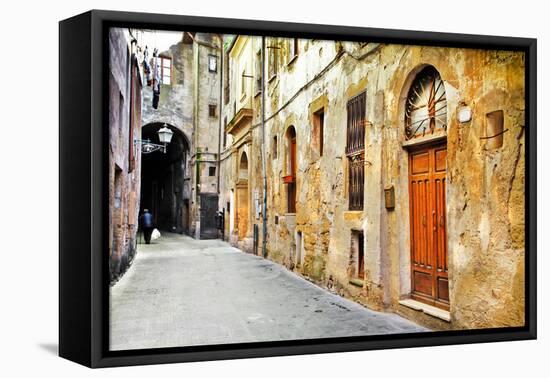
{"x":243,"y":117}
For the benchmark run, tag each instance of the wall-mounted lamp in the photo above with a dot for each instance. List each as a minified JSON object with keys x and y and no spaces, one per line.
{"x":464,"y":113}
{"x":165,"y":136}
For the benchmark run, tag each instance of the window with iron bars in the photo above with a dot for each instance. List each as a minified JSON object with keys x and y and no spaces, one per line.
{"x":355,"y":150}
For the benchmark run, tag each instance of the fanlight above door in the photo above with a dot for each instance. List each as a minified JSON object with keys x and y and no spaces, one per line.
{"x":426,"y":108}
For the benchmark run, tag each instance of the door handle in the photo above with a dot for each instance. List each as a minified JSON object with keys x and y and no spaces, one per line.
{"x":434,"y":221}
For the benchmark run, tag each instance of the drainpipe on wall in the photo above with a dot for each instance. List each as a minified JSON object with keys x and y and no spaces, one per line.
{"x":220,"y":115}
{"x":264,"y":212}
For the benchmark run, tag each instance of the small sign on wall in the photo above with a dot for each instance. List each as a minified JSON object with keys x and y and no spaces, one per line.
{"x":389,"y":197}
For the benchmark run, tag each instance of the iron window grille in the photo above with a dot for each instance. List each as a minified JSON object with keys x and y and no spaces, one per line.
{"x":355,"y":150}
{"x":426,"y":108}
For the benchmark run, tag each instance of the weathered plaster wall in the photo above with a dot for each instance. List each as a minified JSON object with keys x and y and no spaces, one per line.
{"x":322,"y":217}
{"x":207,"y":128}
{"x":485,"y":188}
{"x":485,"y":194}
{"x":124,"y":183}
{"x":176,"y":100}
{"x":244,"y":191}
{"x":485,"y":202}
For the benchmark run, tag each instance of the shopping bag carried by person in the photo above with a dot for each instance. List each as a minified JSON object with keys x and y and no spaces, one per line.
{"x":155,"y":235}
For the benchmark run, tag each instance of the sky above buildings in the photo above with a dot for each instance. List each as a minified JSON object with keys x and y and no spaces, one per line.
{"x":162,"y":40}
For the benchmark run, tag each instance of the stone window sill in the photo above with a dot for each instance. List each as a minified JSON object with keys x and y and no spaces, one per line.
{"x":427,"y":309}
{"x":423,"y":140}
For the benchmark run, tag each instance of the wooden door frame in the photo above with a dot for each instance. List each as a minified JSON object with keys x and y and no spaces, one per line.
{"x":242,"y":187}
{"x":414,"y":149}
{"x":291,"y":190}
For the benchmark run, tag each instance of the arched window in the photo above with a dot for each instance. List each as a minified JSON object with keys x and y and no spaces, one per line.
{"x":242,"y":216}
{"x":243,"y":167}
{"x":426,"y":107}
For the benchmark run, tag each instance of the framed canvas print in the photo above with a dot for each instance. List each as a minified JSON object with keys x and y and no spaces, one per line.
{"x":236,"y":188}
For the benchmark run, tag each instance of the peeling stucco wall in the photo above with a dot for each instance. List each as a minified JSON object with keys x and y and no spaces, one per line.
{"x":485,"y":195}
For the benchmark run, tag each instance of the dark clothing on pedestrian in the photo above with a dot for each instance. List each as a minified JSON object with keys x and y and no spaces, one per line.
{"x":147,"y":225}
{"x":147,"y":231}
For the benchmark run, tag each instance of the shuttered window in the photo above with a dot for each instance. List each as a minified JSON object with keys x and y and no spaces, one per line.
{"x":165,"y":70}
{"x":355,"y":150}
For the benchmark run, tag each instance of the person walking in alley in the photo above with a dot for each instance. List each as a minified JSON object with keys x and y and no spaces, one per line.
{"x":147,"y":225}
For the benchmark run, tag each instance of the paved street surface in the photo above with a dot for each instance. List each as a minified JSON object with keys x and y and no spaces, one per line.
{"x":180,"y":292}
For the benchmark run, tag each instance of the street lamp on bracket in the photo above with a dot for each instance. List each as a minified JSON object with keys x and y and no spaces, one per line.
{"x":165,"y":136}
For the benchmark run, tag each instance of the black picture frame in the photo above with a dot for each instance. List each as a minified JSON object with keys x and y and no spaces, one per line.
{"x":83,"y":291}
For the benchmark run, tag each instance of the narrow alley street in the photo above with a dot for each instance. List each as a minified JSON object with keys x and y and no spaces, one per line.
{"x":180,"y":292}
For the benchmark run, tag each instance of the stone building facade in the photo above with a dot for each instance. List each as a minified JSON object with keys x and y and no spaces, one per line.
{"x":125,"y":84}
{"x":241,"y":185}
{"x":395,"y":174}
{"x":181,"y":186}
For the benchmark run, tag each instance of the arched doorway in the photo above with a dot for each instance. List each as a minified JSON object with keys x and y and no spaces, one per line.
{"x":164,"y":189}
{"x":242,"y":197}
{"x":425,"y":131}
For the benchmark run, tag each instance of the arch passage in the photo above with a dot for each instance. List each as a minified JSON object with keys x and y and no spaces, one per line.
{"x":163,"y":188}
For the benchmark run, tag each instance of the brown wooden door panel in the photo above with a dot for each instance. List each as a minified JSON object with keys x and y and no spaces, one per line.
{"x":420,"y":163}
{"x":441,"y":159}
{"x":427,"y":186}
{"x":421,"y":243}
{"x":443,"y":289}
{"x":440,"y":226}
{"x":293,"y":156}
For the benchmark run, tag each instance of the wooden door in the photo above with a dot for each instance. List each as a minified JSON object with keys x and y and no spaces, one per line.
{"x":293,"y":156}
{"x":427,"y":188}
{"x":242,"y":213}
{"x":209,"y":207}
{"x":292,"y":185}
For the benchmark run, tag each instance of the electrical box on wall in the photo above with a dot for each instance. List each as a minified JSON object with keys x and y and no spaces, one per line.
{"x":389,"y":197}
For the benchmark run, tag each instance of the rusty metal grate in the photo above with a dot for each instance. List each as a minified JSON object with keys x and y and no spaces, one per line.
{"x":356,"y":172}
{"x":355,"y":150}
{"x":356,"y":124}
